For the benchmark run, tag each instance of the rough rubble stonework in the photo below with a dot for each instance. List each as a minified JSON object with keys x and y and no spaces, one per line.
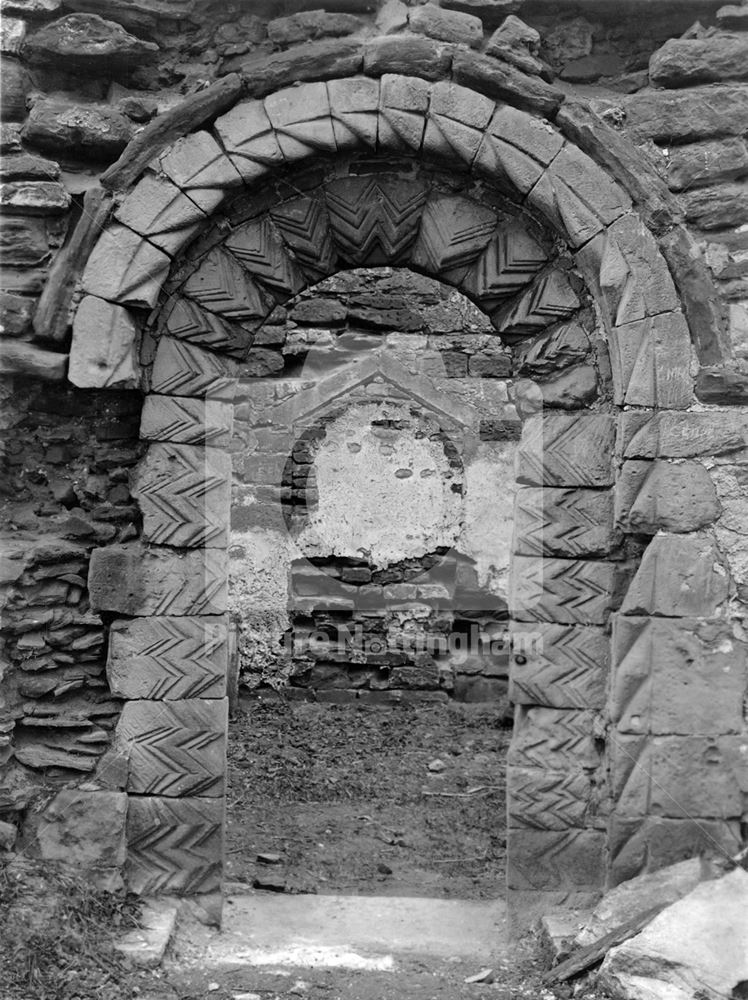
{"x":601,"y":239}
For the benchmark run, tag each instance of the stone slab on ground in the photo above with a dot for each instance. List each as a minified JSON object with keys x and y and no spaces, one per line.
{"x":145,"y":945}
{"x":697,"y":947}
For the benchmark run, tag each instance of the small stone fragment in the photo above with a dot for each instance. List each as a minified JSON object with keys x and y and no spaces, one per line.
{"x":87,"y":43}
{"x":436,"y":766}
{"x":310,"y":25}
{"x":34,"y":197}
{"x":683,"y":62}
{"x":95,"y":130}
{"x":446,"y":26}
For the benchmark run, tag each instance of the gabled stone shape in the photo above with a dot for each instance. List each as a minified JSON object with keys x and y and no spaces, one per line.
{"x":508,"y":263}
{"x":680,"y":435}
{"x":374,"y":219}
{"x":223,"y":286}
{"x":139,"y":581}
{"x":260,"y":250}
{"x":577,"y":592}
{"x":104,"y":349}
{"x":185,"y":495}
{"x":562,"y":666}
{"x":564,"y":450}
{"x":305,"y":226}
{"x":180,"y":369}
{"x":403,"y":103}
{"x":453,"y":233}
{"x":186,"y":421}
{"x":198,"y":165}
{"x":551,"y":860}
{"x":457,"y":119}
{"x":578,"y":197}
{"x":651,"y":362}
{"x":518,"y":147}
{"x":549,"y":299}
{"x":354,"y":109}
{"x":161,"y":212}
{"x":168,"y":658}
{"x":683,"y":677}
{"x":680,"y":576}
{"x":87,"y":43}
{"x":174,"y":845}
{"x":563,"y":522}
{"x":301,"y":119}
{"x":542,"y":799}
{"x":665,"y":496}
{"x":249,"y":139}
{"x":185,"y":320}
{"x":125,"y":268}
{"x":175,"y":748}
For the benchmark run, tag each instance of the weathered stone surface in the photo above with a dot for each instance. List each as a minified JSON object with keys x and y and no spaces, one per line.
{"x":30,"y":8}
{"x":181,"y":369}
{"x":249,"y":139}
{"x":407,"y":54}
{"x":504,"y":82}
{"x":185,"y":495}
{"x":168,"y":658}
{"x":34,"y":197}
{"x":392,"y":17}
{"x":301,"y":119}
{"x":518,"y":43}
{"x":87,"y":43}
{"x":24,"y":166}
{"x":15,"y":83}
{"x":310,"y":25}
{"x":679,"y":435}
{"x":551,"y":297}
{"x":12,"y":34}
{"x":198,"y":165}
{"x":453,"y":233}
{"x":571,"y":390}
{"x":676,"y":677}
{"x":404,"y":101}
{"x":324,"y":60}
{"x":145,"y":946}
{"x":354,"y":110}
{"x":15,"y":314}
{"x":174,"y":845}
{"x":562,"y":666}
{"x":665,"y":496}
{"x":717,"y":207}
{"x":576,"y":592}
{"x":10,"y":138}
{"x":651,"y":362}
{"x":185,"y":320}
{"x":24,"y":242}
{"x":686,"y":115}
{"x":491,"y":12}
{"x":722,"y":385}
{"x":565,"y":450}
{"x":446,"y":25}
{"x":125,"y":268}
{"x":104,"y":350}
{"x":675,"y":955}
{"x":733,"y":16}
{"x":84,"y":828}
{"x":186,"y":421}
{"x":559,"y":348}
{"x":550,"y":859}
{"x":680,"y":576}
{"x":683,"y":62}
{"x":160,"y":211}
{"x":557,"y":522}
{"x":175,"y":748}
{"x":97,"y":131}
{"x":20,"y":358}
{"x":135,"y":15}
{"x":133,"y":580}
{"x":706,"y":163}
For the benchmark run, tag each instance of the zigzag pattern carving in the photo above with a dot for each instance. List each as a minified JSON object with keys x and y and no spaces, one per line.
{"x":261,"y":252}
{"x":564,"y":590}
{"x":508,"y":264}
{"x":453,"y":233}
{"x":222,"y":285}
{"x":549,"y":299}
{"x":553,"y":739}
{"x":558,"y":861}
{"x":185,"y":495}
{"x":168,"y":658}
{"x":176,"y":748}
{"x":174,"y":845}
{"x":565,"y":666}
{"x":374,"y":220}
{"x":547,"y":800}
{"x":563,"y":450}
{"x":305,"y":226}
{"x":186,"y":421}
{"x":563,"y":522}
{"x":187,"y":321}
{"x":183,"y":370}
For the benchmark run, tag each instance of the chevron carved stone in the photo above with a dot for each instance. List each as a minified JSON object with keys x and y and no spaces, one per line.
{"x":260,"y":250}
{"x":551,"y":860}
{"x":453,"y":233}
{"x":457,"y":119}
{"x":516,"y":148}
{"x":577,"y":592}
{"x":508,"y":263}
{"x":562,"y":666}
{"x":354,"y":109}
{"x":168,"y":658}
{"x":550,"y":298}
{"x":553,"y":738}
{"x":223,"y":286}
{"x":559,"y":449}
{"x":374,"y":220}
{"x":249,"y":139}
{"x":185,"y":320}
{"x":180,"y":369}
{"x":563,"y":522}
{"x":175,"y":748}
{"x":185,"y":495}
{"x":403,"y":103}
{"x":186,"y":421}
{"x":174,"y":845}
{"x":305,"y":226}
{"x":542,"y":799}
{"x":301,"y":118}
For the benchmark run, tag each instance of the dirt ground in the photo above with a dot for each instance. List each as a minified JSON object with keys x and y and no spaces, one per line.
{"x":400,"y":800}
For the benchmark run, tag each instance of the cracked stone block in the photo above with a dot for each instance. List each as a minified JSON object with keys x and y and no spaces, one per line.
{"x":104,"y":349}
{"x":354,"y":108}
{"x":665,"y":496}
{"x":161,"y":212}
{"x":457,"y":118}
{"x":679,"y":435}
{"x":182,"y":369}
{"x":84,"y":828}
{"x":198,"y":165}
{"x":403,"y":104}
{"x":555,"y":860}
{"x":249,"y":139}
{"x":651,"y":362}
{"x":125,"y":268}
{"x":301,"y":119}
{"x":517,"y":146}
{"x":186,"y":421}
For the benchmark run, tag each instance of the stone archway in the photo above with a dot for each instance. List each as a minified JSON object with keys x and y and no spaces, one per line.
{"x":213,"y":256}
